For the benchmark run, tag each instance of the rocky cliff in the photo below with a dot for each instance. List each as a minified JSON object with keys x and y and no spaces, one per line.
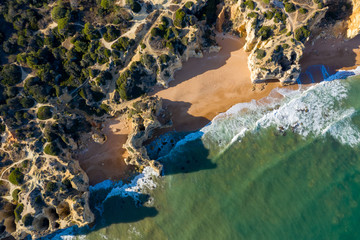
{"x":276,"y":31}
{"x":353,"y":24}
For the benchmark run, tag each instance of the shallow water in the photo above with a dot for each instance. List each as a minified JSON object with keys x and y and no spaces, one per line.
{"x":285,"y":167}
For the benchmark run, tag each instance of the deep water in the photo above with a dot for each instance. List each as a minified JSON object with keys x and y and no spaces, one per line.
{"x":286,"y":167}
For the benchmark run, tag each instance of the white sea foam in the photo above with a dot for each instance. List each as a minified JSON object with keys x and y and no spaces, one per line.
{"x":317,"y":110}
{"x":143,"y":181}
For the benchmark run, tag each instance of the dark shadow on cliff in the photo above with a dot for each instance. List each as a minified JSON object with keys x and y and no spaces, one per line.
{"x":210,"y":61}
{"x":324,"y":57}
{"x":186,"y":158}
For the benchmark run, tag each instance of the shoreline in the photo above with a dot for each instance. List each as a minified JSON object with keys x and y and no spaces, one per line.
{"x":196,"y":96}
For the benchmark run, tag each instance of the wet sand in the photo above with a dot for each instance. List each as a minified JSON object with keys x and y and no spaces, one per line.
{"x":205,"y":87}
{"x":106,"y":161}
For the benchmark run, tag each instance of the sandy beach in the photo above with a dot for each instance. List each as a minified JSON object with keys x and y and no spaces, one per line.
{"x":205,"y":87}
{"x":106,"y":161}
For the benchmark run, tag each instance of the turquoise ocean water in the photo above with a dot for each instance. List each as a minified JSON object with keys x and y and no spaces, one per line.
{"x":285,"y":167}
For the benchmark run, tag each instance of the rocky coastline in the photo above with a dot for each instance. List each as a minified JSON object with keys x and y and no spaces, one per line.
{"x":44,"y":189}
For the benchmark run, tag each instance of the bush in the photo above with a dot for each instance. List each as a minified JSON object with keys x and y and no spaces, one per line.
{"x":269,"y":15}
{"x":17,"y":212}
{"x":51,"y":187}
{"x":290,"y":7}
{"x":27,"y":220}
{"x":179,"y":20}
{"x":16,"y":177}
{"x":264,"y":32}
{"x":252,"y":15}
{"x":266,"y":1}
{"x":44,"y":113}
{"x":134,"y":5}
{"x":285,"y":46}
{"x":302,"y":33}
{"x":260,"y":54}
{"x":58,"y":12}
{"x":51,"y":149}
{"x":250,"y":4}
{"x":10,"y":75}
{"x":111,"y":34}
{"x":105,"y":4}
{"x":15,"y":194}
{"x":303,"y":10}
{"x":188,"y":5}
{"x":27,"y":102}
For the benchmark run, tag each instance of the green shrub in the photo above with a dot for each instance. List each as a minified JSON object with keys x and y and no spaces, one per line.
{"x":188,"y":5}
{"x":250,"y":4}
{"x":15,"y":194}
{"x":10,"y":75}
{"x":303,"y":10}
{"x":27,"y":220}
{"x":253,"y":15}
{"x":16,"y":177}
{"x":302,"y":33}
{"x":290,"y":7}
{"x":285,"y":46}
{"x":264,"y":32}
{"x":52,"y":149}
{"x":179,"y":20}
{"x":17,"y":212}
{"x":58,"y":12}
{"x":105,"y":4}
{"x":269,"y":15}
{"x":260,"y":54}
{"x":266,"y":1}
{"x":134,"y":5}
{"x":44,"y":112}
{"x":51,"y":187}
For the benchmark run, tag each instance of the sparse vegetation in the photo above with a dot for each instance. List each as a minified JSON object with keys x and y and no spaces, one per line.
{"x":52,"y":149}
{"x":15,"y":194}
{"x":16,"y":177}
{"x":260,"y":54}
{"x":250,"y":4}
{"x":44,"y":113}
{"x":302,"y":33}
{"x":264,"y":32}
{"x":18,"y":211}
{"x":290,"y":7}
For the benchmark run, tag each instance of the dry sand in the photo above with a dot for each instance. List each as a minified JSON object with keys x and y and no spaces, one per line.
{"x":106,"y":161}
{"x":205,"y":87}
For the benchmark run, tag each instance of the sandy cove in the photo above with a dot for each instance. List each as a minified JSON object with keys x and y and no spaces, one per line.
{"x":205,"y":87}
{"x":106,"y":161}
{"x":202,"y":89}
